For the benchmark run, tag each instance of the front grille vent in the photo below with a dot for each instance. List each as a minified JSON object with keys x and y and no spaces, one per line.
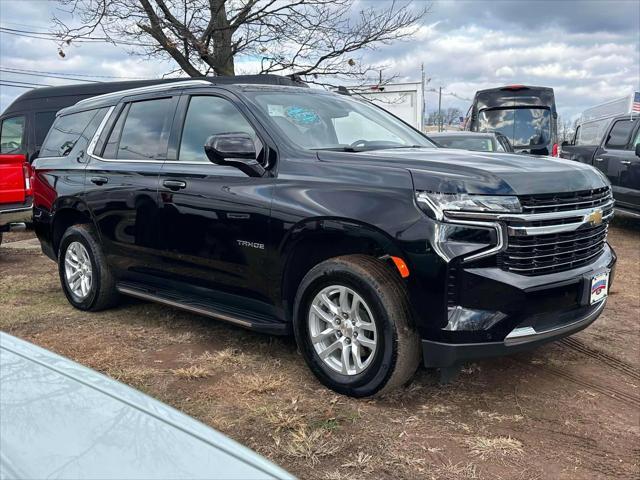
{"x":564,"y":202}
{"x":540,"y":252}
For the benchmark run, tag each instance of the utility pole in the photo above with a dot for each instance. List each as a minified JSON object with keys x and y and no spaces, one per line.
{"x":440,"y":109}
{"x":423,"y":101}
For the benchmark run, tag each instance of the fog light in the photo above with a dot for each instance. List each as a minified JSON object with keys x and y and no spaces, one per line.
{"x":465,"y":319}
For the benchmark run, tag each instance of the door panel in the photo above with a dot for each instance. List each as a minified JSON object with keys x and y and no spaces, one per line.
{"x":125,"y":210}
{"x":615,"y":159}
{"x":214,"y":218}
{"x":629,"y":176}
{"x":121,"y":185}
{"x":214,"y":230}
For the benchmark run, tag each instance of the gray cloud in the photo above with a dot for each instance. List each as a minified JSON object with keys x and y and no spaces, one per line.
{"x":588,"y":51}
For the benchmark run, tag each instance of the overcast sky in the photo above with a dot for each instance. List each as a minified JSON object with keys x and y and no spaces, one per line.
{"x":588,"y":51}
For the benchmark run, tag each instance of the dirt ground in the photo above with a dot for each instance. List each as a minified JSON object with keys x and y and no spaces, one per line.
{"x":567,"y":410}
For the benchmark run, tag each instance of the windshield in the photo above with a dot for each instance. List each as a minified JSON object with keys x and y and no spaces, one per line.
{"x":524,"y":127}
{"x":335,"y":122}
{"x":477,"y":144}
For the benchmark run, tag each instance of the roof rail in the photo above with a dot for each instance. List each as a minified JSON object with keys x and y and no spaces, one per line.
{"x":150,"y":88}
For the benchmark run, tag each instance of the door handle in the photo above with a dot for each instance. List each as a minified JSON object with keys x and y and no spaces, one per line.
{"x":625,"y":162}
{"x":174,"y":184}
{"x":99,"y":180}
{"x":599,"y":159}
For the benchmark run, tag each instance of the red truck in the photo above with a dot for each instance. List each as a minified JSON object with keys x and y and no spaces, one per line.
{"x":16,"y":195}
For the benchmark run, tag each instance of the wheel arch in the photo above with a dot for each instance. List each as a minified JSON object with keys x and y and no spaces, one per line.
{"x":67,"y":213}
{"x":316,"y":240}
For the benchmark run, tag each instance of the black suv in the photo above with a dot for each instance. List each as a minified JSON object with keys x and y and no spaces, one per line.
{"x":287,"y":209}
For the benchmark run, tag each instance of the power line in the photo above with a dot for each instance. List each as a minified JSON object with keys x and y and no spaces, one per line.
{"x":30,"y":83}
{"x":60,"y":38}
{"x":15,"y":86}
{"x":48,"y":76}
{"x":73,"y":74}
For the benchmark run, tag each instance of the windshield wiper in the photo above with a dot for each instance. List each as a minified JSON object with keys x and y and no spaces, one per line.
{"x":340,"y":149}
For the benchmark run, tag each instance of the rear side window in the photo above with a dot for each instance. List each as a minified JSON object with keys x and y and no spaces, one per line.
{"x":619,"y":136}
{"x":141,"y":131}
{"x":44,"y":120}
{"x":65,"y":132}
{"x":12,"y":135}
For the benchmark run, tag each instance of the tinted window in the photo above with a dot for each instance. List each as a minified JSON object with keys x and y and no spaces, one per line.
{"x":478,"y":144}
{"x":12,"y":135}
{"x":620,"y":133}
{"x":208,"y":116}
{"x":111,"y":146}
{"x":44,"y":120}
{"x":524,"y":127}
{"x":64,"y":133}
{"x":144,"y":134}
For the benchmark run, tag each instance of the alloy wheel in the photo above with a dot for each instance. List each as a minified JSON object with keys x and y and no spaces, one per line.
{"x":77,"y":269}
{"x":342,"y":329}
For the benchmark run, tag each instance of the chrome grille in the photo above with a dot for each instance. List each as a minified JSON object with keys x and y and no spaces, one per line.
{"x":541,"y":254}
{"x":563,"y":202}
{"x":542,"y":240}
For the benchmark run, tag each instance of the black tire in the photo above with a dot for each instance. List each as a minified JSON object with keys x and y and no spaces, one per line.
{"x":102,"y":293}
{"x":398,"y":355}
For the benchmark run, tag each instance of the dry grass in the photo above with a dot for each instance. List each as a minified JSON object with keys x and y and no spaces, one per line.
{"x":484,"y":447}
{"x":132,"y":375}
{"x":261,"y":383}
{"x":310,"y":445}
{"x":454,"y":471}
{"x":191,"y":373}
{"x":497,"y":417}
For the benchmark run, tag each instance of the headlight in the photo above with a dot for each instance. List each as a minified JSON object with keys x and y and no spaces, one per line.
{"x":437,"y":203}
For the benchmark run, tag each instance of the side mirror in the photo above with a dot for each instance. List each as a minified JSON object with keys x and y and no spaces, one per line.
{"x":235,"y":149}
{"x":637,"y":149}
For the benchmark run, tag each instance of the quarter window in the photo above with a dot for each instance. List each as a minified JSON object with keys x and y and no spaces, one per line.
{"x":64,"y":133}
{"x":141,"y":131}
{"x":206,"y":116}
{"x":620,"y":133}
{"x":12,"y":135}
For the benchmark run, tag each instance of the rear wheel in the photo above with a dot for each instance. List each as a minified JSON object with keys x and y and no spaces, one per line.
{"x":354,"y":328}
{"x":84,"y":274}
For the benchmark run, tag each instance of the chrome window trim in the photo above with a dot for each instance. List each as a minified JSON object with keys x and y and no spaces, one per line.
{"x":147,"y":89}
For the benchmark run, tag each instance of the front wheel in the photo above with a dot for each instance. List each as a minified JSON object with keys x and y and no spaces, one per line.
{"x":353,"y":326}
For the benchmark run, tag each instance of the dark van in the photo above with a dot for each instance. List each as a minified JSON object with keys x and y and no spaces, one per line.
{"x":31,"y":115}
{"x":525,"y":115}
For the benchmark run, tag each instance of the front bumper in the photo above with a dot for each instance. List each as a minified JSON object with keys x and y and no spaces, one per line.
{"x":537,"y":309}
{"x":440,"y":355}
{"x":15,"y":215}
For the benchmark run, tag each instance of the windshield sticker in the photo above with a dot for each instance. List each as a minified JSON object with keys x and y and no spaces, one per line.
{"x":302,"y":116}
{"x":276,"y":110}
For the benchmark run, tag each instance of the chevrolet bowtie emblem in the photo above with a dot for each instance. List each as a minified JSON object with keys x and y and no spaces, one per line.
{"x":595,"y":217}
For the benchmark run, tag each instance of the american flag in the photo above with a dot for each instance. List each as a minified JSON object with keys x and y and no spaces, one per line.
{"x":635,"y":106}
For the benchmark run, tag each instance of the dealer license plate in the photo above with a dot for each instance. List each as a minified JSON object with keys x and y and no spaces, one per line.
{"x":599,"y":287}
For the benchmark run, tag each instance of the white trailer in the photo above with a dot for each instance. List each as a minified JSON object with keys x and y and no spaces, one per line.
{"x":595,"y":120}
{"x":404,"y":100}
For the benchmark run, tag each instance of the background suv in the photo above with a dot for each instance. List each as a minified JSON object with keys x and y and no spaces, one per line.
{"x":281,"y":209}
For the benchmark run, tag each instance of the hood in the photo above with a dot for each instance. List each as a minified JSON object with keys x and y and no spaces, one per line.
{"x":462,"y":171}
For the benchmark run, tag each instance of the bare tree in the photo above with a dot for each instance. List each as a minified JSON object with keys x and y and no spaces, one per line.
{"x":303,"y":37}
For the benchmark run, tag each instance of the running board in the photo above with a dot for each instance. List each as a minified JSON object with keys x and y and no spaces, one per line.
{"x":205,"y":307}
